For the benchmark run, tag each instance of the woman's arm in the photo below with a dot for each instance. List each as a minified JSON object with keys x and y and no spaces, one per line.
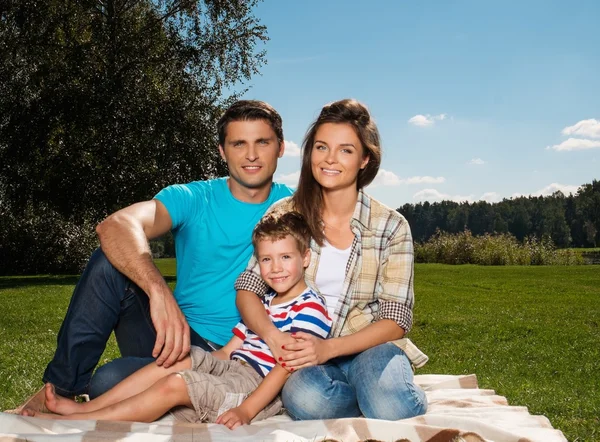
{"x":309,"y":350}
{"x":396,"y":299}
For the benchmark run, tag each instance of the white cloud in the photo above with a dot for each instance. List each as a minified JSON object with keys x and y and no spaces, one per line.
{"x":435,"y":195}
{"x":476,"y":162}
{"x":426,"y":120}
{"x":291,"y":149}
{"x":424,"y":180}
{"x":566,"y":189}
{"x":554,"y":187}
{"x":585,"y":128}
{"x":388,"y":178}
{"x":490,"y":197}
{"x":575,"y":144}
{"x":432,"y":195}
{"x":291,"y":179}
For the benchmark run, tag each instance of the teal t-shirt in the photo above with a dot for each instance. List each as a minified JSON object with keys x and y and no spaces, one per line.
{"x":213,"y":234}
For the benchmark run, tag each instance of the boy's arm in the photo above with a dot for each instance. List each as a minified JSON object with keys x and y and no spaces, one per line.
{"x":224,"y":352}
{"x":268,"y":389}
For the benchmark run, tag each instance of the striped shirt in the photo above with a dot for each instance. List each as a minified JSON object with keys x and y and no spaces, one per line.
{"x":305,"y":313}
{"x":379,"y":274}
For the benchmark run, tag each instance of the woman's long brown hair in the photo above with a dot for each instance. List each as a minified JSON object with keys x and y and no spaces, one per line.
{"x":308,"y":199}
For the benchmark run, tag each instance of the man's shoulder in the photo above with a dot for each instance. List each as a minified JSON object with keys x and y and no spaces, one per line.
{"x":196,"y":187}
{"x":279,"y":191}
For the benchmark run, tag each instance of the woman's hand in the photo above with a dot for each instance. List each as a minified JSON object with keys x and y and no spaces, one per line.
{"x":306,"y":351}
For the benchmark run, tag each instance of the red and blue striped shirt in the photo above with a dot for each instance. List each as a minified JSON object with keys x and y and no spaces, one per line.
{"x":305,"y":313}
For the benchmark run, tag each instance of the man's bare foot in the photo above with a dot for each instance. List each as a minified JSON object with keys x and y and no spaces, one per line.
{"x":59,"y":404}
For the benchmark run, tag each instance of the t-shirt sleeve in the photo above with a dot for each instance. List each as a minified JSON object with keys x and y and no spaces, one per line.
{"x":240,"y":330}
{"x":310,"y":316}
{"x":182,"y":201}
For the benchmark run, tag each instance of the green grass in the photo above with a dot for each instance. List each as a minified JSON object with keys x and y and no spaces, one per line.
{"x":530,"y":333}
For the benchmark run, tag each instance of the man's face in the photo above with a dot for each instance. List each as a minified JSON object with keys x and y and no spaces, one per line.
{"x":251,"y":151}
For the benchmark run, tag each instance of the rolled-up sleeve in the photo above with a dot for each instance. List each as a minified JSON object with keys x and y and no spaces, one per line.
{"x":396,"y":297}
{"x":250,"y":279}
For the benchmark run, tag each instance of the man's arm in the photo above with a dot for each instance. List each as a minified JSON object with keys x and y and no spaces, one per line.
{"x":124,"y":239}
{"x":268,"y":389}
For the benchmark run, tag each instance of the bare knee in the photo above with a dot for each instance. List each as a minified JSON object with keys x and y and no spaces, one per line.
{"x":173,"y":389}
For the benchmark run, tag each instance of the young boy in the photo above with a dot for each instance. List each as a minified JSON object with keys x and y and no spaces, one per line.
{"x":241,"y":381}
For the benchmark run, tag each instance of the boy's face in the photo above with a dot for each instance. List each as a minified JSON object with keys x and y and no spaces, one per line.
{"x":282,"y":264}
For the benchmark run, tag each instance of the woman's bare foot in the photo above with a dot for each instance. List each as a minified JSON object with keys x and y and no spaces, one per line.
{"x":58,"y":404}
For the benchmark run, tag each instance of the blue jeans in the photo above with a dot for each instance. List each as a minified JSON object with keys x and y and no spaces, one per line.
{"x":377,"y":383}
{"x":104,"y":300}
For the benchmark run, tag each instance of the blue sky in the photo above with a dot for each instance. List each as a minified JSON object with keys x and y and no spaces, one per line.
{"x":474,"y":99}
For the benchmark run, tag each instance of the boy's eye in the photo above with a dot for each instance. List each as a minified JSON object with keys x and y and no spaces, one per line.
{"x":264,"y":259}
{"x":286,"y":256}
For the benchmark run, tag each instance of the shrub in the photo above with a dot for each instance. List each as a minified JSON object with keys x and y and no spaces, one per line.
{"x":497,"y":249}
{"x":39,"y":240}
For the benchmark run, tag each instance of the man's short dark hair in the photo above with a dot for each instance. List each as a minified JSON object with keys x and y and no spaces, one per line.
{"x":250,"y":110}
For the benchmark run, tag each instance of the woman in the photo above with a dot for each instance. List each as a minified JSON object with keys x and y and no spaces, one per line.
{"x":362,"y":263}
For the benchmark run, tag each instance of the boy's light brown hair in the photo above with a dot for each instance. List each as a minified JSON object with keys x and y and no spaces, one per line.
{"x":274,"y":228}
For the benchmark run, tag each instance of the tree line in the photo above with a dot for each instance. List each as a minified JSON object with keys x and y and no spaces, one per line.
{"x":569,"y":221}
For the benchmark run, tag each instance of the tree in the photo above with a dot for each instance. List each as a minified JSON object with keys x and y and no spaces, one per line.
{"x":104,"y":102}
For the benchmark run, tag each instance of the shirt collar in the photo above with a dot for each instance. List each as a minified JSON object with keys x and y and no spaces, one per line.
{"x":362,"y":211}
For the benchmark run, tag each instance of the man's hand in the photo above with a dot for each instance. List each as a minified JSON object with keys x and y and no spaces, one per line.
{"x":307,"y":350}
{"x":278,"y":343}
{"x":234,"y":417}
{"x":172,"y":330}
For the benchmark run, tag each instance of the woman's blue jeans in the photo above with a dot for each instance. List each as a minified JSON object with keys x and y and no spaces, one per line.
{"x":104,"y":300}
{"x":377,"y":383}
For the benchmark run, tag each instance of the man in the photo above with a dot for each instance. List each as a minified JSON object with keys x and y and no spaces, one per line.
{"x":122,"y":290}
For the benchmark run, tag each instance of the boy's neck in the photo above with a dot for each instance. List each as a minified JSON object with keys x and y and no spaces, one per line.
{"x":291,"y":294}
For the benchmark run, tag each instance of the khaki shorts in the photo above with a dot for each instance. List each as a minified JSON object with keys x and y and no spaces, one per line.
{"x":215,"y":386}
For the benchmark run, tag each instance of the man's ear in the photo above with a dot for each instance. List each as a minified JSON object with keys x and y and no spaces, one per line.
{"x":306,"y":259}
{"x":281,"y":148}
{"x":222,"y":153}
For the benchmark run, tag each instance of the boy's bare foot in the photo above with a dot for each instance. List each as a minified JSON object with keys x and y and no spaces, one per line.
{"x":59,"y":404}
{"x":39,"y":414}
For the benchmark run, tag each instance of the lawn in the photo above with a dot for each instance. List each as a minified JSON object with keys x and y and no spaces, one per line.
{"x":530,"y":333}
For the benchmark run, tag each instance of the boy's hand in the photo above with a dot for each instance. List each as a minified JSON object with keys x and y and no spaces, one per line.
{"x":278,"y":343}
{"x":234,"y":417}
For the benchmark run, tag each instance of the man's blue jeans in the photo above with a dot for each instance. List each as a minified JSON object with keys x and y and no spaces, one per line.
{"x":377,"y":383}
{"x":104,"y":300}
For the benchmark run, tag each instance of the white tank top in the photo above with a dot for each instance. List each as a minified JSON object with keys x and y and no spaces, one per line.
{"x":331,"y":274}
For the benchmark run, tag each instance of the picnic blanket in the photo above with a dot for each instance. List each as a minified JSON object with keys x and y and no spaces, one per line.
{"x":458,"y":411}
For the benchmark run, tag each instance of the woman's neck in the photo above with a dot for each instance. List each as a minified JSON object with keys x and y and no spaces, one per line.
{"x":338,"y":205}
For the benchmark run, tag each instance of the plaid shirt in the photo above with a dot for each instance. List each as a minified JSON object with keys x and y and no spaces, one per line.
{"x":379,"y":273}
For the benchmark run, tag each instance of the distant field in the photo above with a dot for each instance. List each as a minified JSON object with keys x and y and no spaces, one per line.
{"x":530,"y":333}
{"x":586,"y":250}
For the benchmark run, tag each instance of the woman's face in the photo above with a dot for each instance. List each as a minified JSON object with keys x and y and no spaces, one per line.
{"x":337,"y":156}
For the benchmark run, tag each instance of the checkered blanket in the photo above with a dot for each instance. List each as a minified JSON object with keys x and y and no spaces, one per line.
{"x":458,"y":411}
